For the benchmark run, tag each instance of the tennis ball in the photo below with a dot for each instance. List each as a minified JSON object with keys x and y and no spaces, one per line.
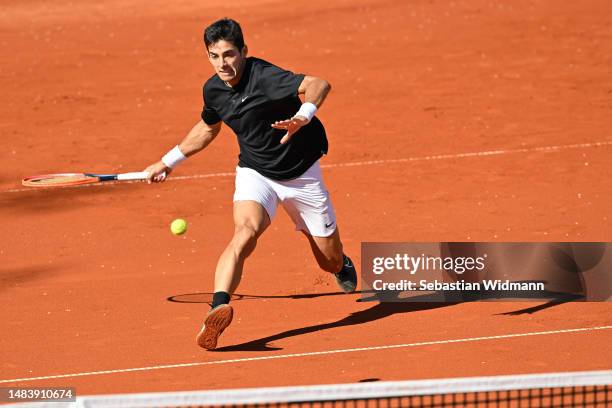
{"x":178,"y":226}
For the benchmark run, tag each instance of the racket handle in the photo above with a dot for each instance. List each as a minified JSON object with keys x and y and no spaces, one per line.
{"x":139,"y":175}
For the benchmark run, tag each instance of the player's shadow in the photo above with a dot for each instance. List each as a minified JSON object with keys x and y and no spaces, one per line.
{"x":558,"y":300}
{"x":551,"y":298}
{"x":380,"y":310}
{"x":59,"y":198}
{"x":16,"y":276}
{"x":388,"y":305}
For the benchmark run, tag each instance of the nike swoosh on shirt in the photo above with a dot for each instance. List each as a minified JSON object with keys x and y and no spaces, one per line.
{"x":329,"y":225}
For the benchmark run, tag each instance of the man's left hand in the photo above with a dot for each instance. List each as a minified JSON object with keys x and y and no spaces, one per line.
{"x":291,"y":125}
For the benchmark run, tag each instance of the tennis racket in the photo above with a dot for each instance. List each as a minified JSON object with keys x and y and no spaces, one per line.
{"x":74,"y":179}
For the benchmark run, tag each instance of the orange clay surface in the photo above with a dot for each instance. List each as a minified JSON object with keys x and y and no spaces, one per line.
{"x":109,"y":86}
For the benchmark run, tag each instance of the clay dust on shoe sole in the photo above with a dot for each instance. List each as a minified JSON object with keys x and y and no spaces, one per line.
{"x":215,"y":323}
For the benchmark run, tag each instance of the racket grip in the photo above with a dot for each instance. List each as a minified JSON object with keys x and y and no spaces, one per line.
{"x":138,"y":175}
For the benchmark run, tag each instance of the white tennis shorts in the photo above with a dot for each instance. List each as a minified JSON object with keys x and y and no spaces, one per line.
{"x":305,"y":198}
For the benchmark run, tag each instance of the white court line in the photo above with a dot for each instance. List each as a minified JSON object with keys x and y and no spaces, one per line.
{"x":309,"y":354}
{"x":540,"y":149}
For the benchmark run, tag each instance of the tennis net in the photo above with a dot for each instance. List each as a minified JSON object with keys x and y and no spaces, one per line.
{"x":570,"y":389}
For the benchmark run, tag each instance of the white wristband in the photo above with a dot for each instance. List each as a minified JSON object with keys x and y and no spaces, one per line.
{"x":173,"y":157}
{"x":307,"y":110}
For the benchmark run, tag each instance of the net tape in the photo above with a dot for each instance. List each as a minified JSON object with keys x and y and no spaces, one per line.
{"x":354,"y":391}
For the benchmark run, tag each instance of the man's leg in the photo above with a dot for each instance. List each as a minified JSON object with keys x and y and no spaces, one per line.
{"x":307,"y":202}
{"x":330,"y":257}
{"x":327,"y":251}
{"x":250,"y":221}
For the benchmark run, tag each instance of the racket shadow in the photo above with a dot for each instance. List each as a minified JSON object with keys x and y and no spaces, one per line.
{"x":206,"y":297}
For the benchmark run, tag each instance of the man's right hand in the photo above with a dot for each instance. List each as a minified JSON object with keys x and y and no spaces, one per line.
{"x":158,"y":172}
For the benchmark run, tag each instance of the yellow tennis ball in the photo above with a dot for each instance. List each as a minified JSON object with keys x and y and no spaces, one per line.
{"x":178,"y":226}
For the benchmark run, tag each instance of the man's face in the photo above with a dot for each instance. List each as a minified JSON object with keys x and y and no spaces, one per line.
{"x":227,"y":61}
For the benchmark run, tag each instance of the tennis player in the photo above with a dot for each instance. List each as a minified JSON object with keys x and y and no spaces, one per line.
{"x":281,"y":141}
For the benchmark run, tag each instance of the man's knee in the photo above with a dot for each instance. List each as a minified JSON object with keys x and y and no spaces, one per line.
{"x":245,"y":237}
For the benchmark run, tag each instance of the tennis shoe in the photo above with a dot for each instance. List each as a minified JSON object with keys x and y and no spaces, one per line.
{"x":216,"y":321}
{"x":347,"y":277}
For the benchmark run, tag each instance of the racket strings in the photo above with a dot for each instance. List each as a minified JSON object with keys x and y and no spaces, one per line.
{"x":58,"y":180}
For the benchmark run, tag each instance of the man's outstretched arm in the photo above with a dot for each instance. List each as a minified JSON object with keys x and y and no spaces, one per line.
{"x":197,"y":139}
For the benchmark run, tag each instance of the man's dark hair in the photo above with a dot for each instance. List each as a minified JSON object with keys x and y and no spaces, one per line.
{"x":224,"y":29}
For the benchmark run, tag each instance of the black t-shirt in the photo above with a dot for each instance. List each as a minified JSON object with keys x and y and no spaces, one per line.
{"x":265,"y":94}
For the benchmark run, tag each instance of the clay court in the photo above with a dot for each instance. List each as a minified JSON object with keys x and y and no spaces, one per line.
{"x":448,"y":121}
